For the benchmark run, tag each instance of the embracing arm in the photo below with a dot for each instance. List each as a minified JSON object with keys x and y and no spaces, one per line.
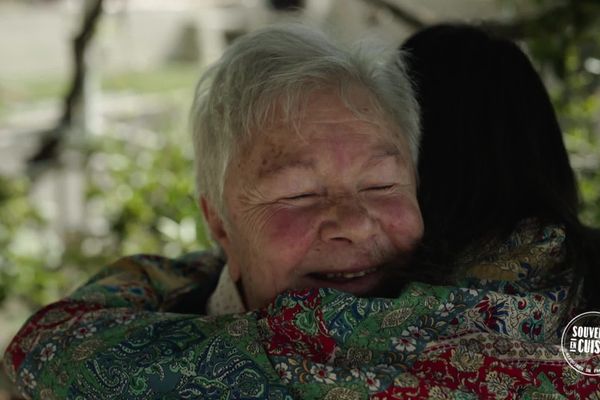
{"x":114,"y":339}
{"x":122,"y":335}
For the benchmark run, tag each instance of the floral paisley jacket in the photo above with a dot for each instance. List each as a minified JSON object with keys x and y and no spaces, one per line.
{"x":495,"y":335}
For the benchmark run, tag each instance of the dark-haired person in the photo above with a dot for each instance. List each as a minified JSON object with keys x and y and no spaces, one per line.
{"x":492,"y":158}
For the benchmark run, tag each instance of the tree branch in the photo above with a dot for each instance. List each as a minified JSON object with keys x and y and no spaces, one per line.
{"x":51,"y":140}
{"x":516,"y":29}
{"x":399,"y":13}
{"x":80,"y":46}
{"x":521,"y":28}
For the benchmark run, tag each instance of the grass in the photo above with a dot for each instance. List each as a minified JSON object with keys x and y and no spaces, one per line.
{"x":166,"y":78}
{"x":173,"y":76}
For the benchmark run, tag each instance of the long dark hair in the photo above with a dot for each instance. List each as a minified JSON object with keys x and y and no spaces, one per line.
{"x":492,"y":152}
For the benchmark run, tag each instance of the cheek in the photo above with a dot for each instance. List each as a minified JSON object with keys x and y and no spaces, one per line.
{"x":286,"y":238}
{"x":292,"y":230}
{"x":400,"y":218}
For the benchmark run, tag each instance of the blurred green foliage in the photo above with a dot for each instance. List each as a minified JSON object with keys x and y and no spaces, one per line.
{"x":565,"y":45}
{"x":139,"y":198}
{"x":141,"y":193}
{"x":30,"y":254}
{"x":170,"y":76}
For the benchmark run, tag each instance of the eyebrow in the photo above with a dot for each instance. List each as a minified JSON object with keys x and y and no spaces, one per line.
{"x":382,"y":152}
{"x":271,"y":169}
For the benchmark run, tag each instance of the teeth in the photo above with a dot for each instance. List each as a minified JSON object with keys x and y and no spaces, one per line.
{"x":349,"y":275}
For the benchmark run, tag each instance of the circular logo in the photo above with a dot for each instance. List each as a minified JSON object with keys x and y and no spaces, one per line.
{"x":580,"y":343}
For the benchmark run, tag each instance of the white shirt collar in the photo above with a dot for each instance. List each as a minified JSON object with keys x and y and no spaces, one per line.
{"x":226,"y":298}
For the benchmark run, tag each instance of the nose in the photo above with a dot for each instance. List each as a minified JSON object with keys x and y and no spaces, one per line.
{"x":347,"y":220}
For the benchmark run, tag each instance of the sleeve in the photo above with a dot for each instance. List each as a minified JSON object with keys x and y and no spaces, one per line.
{"x":119,"y":337}
{"x":154,"y":283}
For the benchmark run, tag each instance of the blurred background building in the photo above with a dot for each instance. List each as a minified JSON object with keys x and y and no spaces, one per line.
{"x":95,"y":169}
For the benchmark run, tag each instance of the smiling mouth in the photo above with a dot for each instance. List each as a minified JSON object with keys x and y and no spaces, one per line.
{"x":343,"y":276}
{"x":359,"y":283}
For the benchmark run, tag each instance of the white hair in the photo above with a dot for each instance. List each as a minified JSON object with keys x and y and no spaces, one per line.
{"x":274,"y":69}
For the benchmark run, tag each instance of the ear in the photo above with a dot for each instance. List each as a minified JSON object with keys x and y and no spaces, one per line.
{"x":217,"y":230}
{"x":215,"y":223}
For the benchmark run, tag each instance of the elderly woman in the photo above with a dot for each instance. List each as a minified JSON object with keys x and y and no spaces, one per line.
{"x":304,"y":165}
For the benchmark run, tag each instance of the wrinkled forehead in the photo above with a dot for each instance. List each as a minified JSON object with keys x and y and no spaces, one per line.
{"x":326,"y":132}
{"x":352,"y":105}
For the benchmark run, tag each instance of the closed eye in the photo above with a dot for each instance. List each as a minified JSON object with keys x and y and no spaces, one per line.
{"x":300,"y":196}
{"x":378,"y":188}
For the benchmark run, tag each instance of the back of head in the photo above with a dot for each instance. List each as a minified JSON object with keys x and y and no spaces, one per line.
{"x":492,"y":152}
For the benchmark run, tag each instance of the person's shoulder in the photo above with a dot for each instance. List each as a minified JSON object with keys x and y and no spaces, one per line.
{"x":204,"y":262}
{"x":593,"y":233}
{"x":591,"y":242}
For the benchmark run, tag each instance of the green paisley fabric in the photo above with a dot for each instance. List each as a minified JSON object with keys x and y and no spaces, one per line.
{"x":495,"y":334}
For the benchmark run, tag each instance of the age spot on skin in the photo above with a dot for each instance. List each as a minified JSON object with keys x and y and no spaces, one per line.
{"x":276,"y":158}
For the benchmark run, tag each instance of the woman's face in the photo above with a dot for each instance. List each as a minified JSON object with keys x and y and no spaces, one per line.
{"x":322,"y":207}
